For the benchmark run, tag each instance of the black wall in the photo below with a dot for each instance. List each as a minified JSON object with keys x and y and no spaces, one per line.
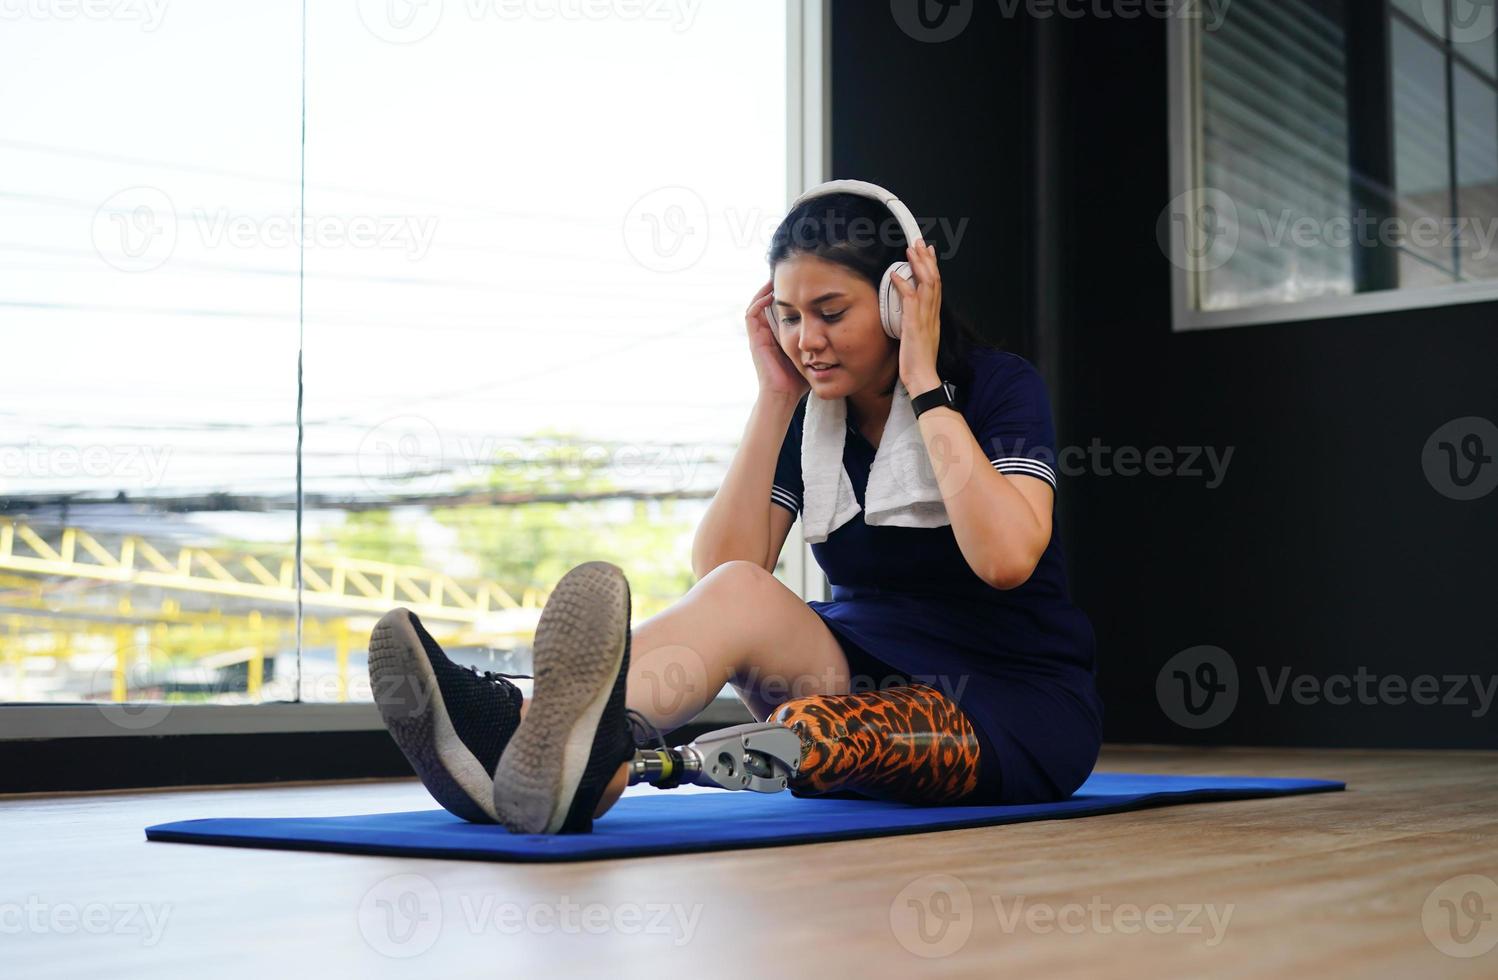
{"x":902,"y":117}
{"x":1324,"y":550}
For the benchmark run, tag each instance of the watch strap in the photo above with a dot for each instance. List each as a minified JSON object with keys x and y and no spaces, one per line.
{"x":943,"y":394}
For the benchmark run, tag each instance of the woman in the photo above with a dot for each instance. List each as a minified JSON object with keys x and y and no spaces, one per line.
{"x":950,"y":665}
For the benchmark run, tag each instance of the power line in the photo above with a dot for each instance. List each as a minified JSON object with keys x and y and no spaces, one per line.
{"x":610,"y":289}
{"x":264,"y":503}
{"x":330,"y":317}
{"x":207,"y":171}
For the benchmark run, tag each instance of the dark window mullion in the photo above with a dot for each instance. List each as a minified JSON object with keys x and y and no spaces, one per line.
{"x":1449,"y":49}
{"x":1370,"y":140}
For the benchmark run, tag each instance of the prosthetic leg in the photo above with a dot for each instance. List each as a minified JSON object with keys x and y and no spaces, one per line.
{"x":909,"y":744}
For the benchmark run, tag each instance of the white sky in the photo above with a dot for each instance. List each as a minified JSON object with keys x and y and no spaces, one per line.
{"x":513,"y":165}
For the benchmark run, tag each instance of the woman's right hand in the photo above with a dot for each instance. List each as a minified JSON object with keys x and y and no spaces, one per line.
{"x":778,"y":374}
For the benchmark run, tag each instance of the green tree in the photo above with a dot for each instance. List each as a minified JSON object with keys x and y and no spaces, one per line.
{"x":531,"y":545}
{"x":372,"y":535}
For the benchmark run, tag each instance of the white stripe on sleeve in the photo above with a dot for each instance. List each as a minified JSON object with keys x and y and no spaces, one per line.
{"x":1026,"y":465}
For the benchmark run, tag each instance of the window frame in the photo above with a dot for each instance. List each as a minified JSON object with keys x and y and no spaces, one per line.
{"x":1183,"y":55}
{"x":808,"y":129}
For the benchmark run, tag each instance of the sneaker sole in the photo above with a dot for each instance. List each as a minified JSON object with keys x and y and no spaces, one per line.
{"x":579,"y":648}
{"x":418,"y":721}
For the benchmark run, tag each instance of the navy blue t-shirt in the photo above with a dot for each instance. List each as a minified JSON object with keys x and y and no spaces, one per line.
{"x":1021,"y":661}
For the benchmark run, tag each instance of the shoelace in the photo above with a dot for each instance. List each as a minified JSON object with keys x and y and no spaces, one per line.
{"x":642,"y":729}
{"x":493,"y":676}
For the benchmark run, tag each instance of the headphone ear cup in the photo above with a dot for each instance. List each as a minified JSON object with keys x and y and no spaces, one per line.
{"x":890,"y":307}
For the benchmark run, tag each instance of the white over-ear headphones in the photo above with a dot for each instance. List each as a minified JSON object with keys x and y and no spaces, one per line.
{"x":889,"y":296}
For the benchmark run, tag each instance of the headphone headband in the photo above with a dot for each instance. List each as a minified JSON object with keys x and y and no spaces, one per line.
{"x":863,"y":188}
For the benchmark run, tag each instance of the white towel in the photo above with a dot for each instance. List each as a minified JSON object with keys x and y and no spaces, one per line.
{"x":902,"y":489}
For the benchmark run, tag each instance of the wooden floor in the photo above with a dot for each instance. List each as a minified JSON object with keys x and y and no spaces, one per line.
{"x":1364,"y":882}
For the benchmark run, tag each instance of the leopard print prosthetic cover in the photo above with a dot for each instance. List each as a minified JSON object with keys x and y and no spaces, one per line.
{"x":909,"y":744}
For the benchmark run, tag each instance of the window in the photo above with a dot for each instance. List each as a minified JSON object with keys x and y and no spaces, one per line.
{"x":513,"y":270}
{"x":1333,"y":157}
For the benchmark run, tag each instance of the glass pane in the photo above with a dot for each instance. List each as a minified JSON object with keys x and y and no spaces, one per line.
{"x":1422,"y":175}
{"x":1477,"y":173}
{"x":150,"y":330}
{"x":1275,"y":144}
{"x":539,"y":359}
{"x":1473,"y":29}
{"x":1430,"y":14}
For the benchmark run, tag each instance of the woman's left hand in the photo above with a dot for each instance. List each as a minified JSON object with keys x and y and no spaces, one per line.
{"x":920,"y":320}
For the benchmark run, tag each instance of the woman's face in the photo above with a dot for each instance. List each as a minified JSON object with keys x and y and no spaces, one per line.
{"x":829,"y":315}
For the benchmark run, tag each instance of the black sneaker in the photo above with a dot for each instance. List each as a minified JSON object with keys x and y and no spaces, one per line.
{"x":452,"y":722}
{"x":576,"y":732}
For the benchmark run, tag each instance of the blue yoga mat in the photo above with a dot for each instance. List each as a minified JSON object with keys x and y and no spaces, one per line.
{"x":676,"y":823}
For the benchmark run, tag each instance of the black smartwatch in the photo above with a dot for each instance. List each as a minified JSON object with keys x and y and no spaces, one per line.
{"x":943,"y":394}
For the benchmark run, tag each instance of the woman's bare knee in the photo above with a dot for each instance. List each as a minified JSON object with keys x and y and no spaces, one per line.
{"x":787,"y":650}
{"x":684,"y":655}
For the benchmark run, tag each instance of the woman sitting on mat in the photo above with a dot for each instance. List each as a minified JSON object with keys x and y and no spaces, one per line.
{"x":950,"y":666}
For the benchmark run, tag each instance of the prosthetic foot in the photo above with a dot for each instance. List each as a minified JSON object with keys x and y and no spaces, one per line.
{"x":761,"y":757}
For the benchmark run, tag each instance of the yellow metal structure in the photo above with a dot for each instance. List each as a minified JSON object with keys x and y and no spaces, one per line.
{"x":47,"y":614}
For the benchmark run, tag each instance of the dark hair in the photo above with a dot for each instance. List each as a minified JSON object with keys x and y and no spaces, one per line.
{"x":863,"y":235}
